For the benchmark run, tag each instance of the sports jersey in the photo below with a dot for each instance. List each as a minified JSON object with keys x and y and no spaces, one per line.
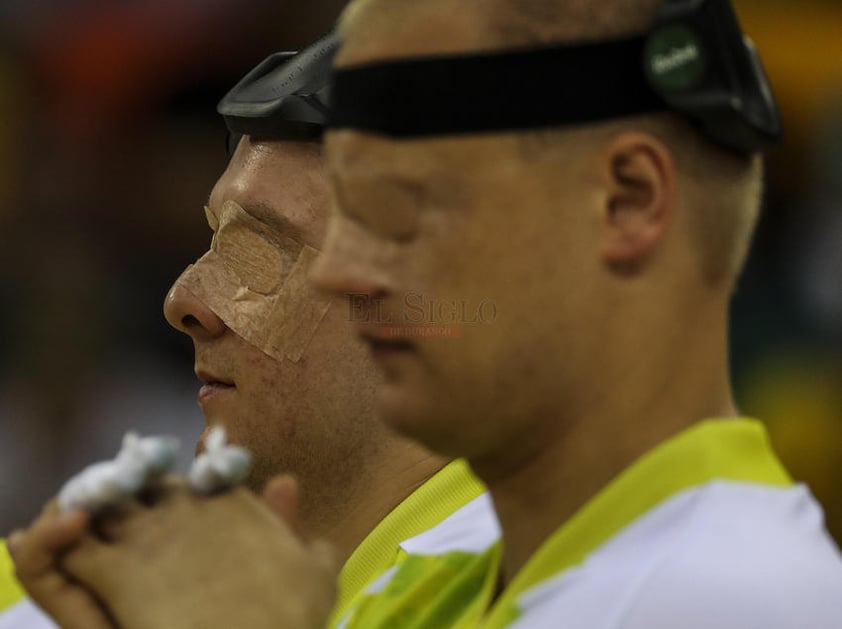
{"x":10,"y":591}
{"x":706,"y":531}
{"x":439,"y":497}
{"x":441,"y":557}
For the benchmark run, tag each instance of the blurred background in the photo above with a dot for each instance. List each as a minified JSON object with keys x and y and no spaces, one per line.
{"x":109,"y":146}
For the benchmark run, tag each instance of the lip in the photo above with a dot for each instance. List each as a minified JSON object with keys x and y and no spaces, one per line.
{"x":213,"y":385}
{"x":382,"y":347}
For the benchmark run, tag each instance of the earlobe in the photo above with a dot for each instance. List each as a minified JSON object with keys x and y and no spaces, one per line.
{"x":639,"y":174}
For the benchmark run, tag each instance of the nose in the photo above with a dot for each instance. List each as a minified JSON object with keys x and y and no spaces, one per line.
{"x":188,"y":314}
{"x":345,"y":265}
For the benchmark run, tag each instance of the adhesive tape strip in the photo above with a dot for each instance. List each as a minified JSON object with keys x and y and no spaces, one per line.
{"x":255,"y":279}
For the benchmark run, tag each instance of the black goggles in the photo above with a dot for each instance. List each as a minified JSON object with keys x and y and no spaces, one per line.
{"x":285,"y":96}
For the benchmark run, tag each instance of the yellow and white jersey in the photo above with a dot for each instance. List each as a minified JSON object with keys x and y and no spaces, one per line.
{"x":439,"y":578}
{"x":706,"y":531}
{"x":432,"y":505}
{"x":725,"y":555}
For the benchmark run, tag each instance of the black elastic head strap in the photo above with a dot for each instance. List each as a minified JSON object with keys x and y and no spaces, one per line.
{"x":523,"y":89}
{"x":694,"y":61}
{"x":284,"y":96}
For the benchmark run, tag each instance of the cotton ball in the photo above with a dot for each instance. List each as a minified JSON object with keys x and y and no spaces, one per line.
{"x":232,"y":464}
{"x":220,"y":466}
{"x":155,"y":455}
{"x":138,"y":462}
{"x":93,"y":488}
{"x":216,"y":439}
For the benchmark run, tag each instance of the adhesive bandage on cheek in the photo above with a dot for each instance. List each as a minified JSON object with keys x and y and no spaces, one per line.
{"x":254,"y":278}
{"x":142,"y":461}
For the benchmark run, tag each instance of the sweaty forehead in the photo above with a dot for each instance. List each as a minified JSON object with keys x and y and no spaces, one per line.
{"x":376,"y":30}
{"x":281,"y":183}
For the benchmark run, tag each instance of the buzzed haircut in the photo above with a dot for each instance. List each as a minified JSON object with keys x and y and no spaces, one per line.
{"x":544,"y":21}
{"x":723,"y":188}
{"x":722,"y":224}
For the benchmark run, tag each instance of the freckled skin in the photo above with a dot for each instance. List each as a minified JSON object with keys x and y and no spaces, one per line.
{"x":314,"y":418}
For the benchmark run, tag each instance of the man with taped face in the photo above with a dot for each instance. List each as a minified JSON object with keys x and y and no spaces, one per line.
{"x":284,"y":373}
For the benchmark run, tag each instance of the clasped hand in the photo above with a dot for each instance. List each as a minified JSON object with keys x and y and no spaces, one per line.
{"x":170,"y":558}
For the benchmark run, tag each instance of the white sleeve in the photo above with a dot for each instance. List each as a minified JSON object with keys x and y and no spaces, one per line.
{"x":25,"y":615}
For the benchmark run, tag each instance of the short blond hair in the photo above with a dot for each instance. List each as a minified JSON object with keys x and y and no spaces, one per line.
{"x":723,"y":188}
{"x":519,"y":22}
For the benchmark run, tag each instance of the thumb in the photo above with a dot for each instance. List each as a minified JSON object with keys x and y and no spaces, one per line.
{"x":281,"y":496}
{"x":34,"y":551}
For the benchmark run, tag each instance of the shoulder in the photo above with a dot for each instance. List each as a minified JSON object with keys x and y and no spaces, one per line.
{"x":721,"y":556}
{"x":751,"y":556}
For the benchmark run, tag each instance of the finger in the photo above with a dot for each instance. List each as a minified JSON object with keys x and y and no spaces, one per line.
{"x":34,"y":551}
{"x":73,"y":597}
{"x":110,"y":522}
{"x":281,"y":496}
{"x":87,"y":561}
{"x":71,"y":606}
{"x":14,"y":540}
{"x":50,"y":508}
{"x":130,"y":519}
{"x":161,"y":490}
{"x":121,"y":520}
{"x":36,"y":554}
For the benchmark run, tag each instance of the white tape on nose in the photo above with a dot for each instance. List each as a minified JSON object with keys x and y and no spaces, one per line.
{"x":254,"y":279}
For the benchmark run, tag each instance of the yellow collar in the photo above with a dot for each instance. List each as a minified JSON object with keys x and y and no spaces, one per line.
{"x":726,"y":449}
{"x":446,"y":491}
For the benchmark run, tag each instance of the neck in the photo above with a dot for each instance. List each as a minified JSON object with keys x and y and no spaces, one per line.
{"x":364,"y":501}
{"x":646,"y":395}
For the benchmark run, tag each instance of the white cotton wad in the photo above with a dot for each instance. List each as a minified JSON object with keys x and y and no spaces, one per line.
{"x":220,"y":466}
{"x":140,"y":461}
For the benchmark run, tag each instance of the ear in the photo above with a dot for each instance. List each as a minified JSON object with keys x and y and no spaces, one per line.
{"x":639,"y":175}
